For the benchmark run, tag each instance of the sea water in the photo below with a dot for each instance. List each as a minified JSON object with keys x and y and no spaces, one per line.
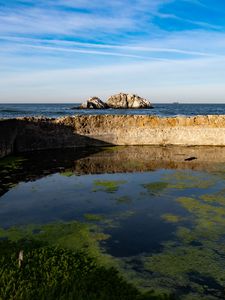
{"x":59,"y":110}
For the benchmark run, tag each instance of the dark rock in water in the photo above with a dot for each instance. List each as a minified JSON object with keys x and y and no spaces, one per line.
{"x":94,"y":103}
{"x":190,"y":158}
{"x":128,"y":101}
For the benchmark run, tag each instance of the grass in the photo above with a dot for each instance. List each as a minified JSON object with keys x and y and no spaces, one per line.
{"x":60,"y":262}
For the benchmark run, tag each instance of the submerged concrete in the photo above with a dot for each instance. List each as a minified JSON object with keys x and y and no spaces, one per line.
{"x":28,"y":134}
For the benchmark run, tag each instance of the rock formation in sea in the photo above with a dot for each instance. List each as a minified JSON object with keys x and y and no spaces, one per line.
{"x":123,"y":100}
{"x":95,"y":103}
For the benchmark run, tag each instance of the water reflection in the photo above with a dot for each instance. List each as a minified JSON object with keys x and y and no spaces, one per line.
{"x":155,"y":214}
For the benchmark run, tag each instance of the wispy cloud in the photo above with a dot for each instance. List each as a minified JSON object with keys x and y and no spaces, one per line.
{"x":162,"y":45}
{"x":179,"y":80}
{"x":82,"y":46}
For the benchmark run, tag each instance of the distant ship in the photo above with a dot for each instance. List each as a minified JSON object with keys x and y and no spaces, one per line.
{"x":175,"y":102}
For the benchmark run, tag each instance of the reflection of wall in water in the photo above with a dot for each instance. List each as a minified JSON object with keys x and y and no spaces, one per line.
{"x":147,"y":158}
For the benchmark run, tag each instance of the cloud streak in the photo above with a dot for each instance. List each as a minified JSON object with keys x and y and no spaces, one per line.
{"x":77,"y":46}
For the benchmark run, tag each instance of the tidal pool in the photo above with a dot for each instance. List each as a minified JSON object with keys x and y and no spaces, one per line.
{"x":156,"y":217}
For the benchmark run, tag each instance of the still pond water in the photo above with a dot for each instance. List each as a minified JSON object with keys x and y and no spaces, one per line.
{"x":156,"y":216}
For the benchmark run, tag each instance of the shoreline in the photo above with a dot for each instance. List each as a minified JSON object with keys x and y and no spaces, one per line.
{"x":38,"y":133}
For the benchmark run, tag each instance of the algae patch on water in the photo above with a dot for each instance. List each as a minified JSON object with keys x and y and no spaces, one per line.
{"x":11,"y":163}
{"x":67,"y":173}
{"x":94,"y":217}
{"x":75,"y":235}
{"x":9,"y":167}
{"x":108,"y":186}
{"x":155,"y":188}
{"x":185,"y":180}
{"x":53,"y":272}
{"x":172,"y":218}
{"x":194,"y":260}
{"x":123,"y":200}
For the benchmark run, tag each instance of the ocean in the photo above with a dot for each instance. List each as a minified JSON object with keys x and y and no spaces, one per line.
{"x":60,"y":110}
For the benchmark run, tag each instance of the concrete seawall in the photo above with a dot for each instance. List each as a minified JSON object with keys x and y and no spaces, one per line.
{"x":28,"y":134}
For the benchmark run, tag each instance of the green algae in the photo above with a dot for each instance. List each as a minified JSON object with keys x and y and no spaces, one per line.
{"x":126,"y":214}
{"x":218,"y":198}
{"x":175,"y":266}
{"x":9,"y":166}
{"x":155,"y":188}
{"x":172,"y":218}
{"x":123,"y":200}
{"x":75,"y":236}
{"x":196,"y":255}
{"x":11,"y":163}
{"x":94,"y":217}
{"x":67,"y":173}
{"x":55,"y":253}
{"x":176,"y":261}
{"x":50,"y":272}
{"x":113,"y":148}
{"x":108,"y":186}
{"x":184,"y":180}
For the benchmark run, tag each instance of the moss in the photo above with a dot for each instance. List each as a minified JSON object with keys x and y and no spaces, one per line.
{"x":155,"y":188}
{"x":108,"y":186}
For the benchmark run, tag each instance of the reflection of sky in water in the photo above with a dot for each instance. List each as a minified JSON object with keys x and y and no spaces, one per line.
{"x":58,"y":197}
{"x":65,"y":198}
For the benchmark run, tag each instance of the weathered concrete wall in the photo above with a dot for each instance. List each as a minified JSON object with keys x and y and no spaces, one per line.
{"x":26,"y":134}
{"x":151,"y":130}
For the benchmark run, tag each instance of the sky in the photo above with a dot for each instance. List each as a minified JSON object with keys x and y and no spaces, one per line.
{"x":69,"y":50}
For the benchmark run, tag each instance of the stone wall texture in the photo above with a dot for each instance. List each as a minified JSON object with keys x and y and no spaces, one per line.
{"x":28,"y":134}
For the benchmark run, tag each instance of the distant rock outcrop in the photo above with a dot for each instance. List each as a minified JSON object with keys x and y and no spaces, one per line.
{"x":121,"y":100}
{"x":94,"y":103}
{"x":128,"y":101}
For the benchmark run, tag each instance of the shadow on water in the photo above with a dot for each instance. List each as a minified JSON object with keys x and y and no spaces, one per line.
{"x":28,"y":166}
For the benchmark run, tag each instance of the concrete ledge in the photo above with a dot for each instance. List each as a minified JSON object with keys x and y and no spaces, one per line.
{"x":27,"y":134}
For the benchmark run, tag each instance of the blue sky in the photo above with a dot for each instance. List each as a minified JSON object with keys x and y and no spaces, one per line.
{"x":68,"y":50}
